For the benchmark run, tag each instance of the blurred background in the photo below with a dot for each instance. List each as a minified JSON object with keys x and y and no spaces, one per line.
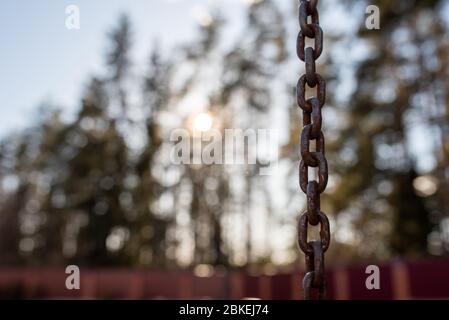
{"x":86,"y":177}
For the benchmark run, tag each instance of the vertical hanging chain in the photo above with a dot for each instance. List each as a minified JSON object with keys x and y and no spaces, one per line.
{"x":314,"y":282}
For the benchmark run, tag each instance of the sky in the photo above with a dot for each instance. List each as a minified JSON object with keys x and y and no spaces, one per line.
{"x":43,"y":61}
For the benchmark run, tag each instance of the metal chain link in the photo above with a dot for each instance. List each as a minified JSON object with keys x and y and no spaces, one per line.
{"x":314,"y":282}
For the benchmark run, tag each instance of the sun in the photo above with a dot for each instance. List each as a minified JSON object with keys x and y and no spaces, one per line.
{"x":202,"y":122}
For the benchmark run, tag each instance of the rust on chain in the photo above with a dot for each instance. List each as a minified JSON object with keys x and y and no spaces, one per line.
{"x":313,"y":203}
{"x":315,"y":116}
{"x":311,"y":78}
{"x":322,"y":173}
{"x":308,"y":287}
{"x":312,"y":5}
{"x":314,"y":281}
{"x":304,"y":13}
{"x":310,"y":158}
{"x":318,"y":263}
{"x":318,"y":43}
{"x":301,"y":93}
{"x":303,"y":224}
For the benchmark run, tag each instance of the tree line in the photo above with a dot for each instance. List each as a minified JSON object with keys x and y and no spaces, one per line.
{"x":100,"y":190}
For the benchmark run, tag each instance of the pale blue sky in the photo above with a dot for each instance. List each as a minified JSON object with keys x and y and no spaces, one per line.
{"x":41,"y":60}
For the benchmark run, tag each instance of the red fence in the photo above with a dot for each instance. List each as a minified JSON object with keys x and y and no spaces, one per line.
{"x":413,"y":280}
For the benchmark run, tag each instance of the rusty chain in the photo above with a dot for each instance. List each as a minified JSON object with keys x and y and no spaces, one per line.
{"x":314,"y":281}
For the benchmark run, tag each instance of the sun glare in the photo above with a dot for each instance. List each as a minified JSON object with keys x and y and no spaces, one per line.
{"x":202,"y":122}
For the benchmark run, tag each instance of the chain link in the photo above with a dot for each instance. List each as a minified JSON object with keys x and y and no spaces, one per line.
{"x":314,"y":279}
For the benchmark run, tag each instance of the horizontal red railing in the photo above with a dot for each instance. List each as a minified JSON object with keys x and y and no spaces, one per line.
{"x":427,"y":279}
